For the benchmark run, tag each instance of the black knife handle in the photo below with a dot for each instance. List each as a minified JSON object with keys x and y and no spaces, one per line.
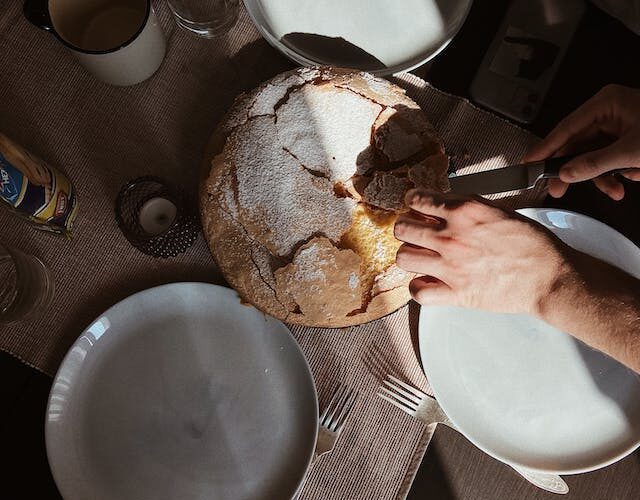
{"x":552,"y":167}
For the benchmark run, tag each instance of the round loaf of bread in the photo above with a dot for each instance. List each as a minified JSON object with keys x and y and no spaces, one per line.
{"x":305,"y":178}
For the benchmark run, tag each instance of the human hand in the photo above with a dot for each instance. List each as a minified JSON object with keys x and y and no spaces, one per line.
{"x":473,"y":254}
{"x":476,"y":255}
{"x":612,"y":114}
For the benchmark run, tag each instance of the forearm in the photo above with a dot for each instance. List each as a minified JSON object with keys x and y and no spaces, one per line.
{"x":600,"y":305}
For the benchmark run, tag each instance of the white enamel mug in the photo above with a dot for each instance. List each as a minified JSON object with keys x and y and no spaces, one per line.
{"x":118,"y":41}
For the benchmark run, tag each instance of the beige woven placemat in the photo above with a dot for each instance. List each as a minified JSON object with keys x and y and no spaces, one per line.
{"x":103,"y":136}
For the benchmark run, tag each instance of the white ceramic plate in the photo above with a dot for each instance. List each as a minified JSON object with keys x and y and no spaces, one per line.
{"x":181,"y":392}
{"x":379,"y":36}
{"x":526,"y":393}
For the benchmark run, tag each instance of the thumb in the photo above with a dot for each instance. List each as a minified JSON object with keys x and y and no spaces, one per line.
{"x":594,"y":163}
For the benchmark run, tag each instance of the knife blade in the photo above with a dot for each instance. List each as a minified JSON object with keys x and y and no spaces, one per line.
{"x":522,"y":176}
{"x":514,"y":177}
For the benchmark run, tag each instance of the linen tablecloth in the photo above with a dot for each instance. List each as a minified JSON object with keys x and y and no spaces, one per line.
{"x":103,"y":136}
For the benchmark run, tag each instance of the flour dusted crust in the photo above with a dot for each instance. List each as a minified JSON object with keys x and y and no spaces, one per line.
{"x":303,"y":283}
{"x":303,"y":181}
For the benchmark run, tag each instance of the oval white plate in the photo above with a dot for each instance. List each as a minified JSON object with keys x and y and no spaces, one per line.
{"x":389,"y":37}
{"x":526,"y":393}
{"x":181,"y":392}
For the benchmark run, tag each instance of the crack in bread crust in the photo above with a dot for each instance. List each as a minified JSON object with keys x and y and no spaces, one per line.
{"x":315,"y":173}
{"x":252,"y":256}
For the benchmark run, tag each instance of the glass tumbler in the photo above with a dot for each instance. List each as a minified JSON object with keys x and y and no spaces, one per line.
{"x":26,"y":287}
{"x":206,"y":18}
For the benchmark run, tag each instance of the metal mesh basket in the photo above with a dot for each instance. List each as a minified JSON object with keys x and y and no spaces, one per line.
{"x":179,"y":236}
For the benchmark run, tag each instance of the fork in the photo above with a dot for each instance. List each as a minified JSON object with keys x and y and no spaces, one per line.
{"x":330,"y":425}
{"x":420,"y":405}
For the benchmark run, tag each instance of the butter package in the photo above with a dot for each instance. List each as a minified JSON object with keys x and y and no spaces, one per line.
{"x":35,"y":190}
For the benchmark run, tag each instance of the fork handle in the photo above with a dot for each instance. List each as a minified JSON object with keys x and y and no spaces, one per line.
{"x":298,"y":492}
{"x":549,"y":482}
{"x":432,"y":412}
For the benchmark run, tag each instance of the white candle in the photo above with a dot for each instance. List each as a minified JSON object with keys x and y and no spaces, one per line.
{"x":157,"y":215}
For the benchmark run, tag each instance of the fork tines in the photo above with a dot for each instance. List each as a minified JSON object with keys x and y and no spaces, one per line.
{"x":401,"y":395}
{"x":337,"y":411}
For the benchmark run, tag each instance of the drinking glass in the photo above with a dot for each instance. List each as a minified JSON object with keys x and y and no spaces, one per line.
{"x":206,"y":18}
{"x":26,"y":287}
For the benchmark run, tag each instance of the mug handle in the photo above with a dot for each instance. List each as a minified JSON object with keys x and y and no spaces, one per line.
{"x":37,"y":12}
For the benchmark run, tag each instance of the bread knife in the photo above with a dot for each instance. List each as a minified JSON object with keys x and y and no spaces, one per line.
{"x":511,"y":178}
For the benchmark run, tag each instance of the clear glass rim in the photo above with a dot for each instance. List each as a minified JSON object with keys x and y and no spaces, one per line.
{"x":207,"y":28}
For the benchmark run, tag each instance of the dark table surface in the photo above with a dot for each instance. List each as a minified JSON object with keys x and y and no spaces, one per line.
{"x":603,"y":51}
